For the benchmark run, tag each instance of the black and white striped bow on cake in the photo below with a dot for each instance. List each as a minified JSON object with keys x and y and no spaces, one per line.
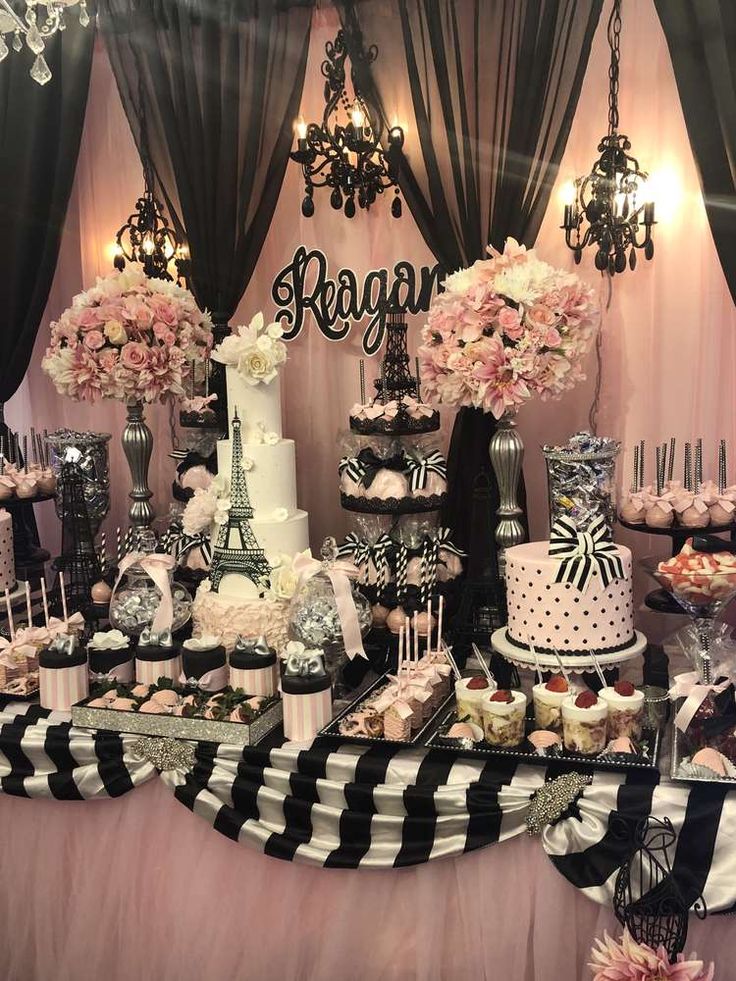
{"x":582,"y":553}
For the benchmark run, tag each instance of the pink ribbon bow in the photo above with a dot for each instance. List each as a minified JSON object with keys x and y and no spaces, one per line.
{"x":339,"y":573}
{"x":214,"y":680}
{"x":691,"y":688}
{"x":157,"y":566}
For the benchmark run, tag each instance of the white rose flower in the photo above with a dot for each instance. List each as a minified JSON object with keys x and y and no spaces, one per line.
{"x":222,"y":511}
{"x":256,"y":367}
{"x":248,"y":463}
{"x":280,"y":514}
{"x":271,"y":438}
{"x":275,"y":330}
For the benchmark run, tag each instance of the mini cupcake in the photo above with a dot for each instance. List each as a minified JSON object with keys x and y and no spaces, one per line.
{"x":503,"y":717}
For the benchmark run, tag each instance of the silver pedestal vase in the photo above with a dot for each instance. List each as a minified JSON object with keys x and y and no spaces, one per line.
{"x":507,"y":453}
{"x":138,"y":446}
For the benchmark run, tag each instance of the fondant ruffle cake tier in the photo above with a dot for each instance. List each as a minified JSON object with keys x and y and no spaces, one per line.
{"x":280,"y":527}
{"x":557,"y":615}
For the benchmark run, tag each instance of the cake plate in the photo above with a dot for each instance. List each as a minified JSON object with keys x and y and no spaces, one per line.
{"x":577,"y":664}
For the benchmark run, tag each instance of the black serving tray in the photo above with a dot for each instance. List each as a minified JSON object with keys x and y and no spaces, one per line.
{"x":525,"y":752}
{"x":332,"y":729}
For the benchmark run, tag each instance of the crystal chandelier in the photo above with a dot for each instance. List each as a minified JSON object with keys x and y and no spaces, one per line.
{"x":344,"y":153}
{"x":611,"y":199}
{"x":36,"y":26}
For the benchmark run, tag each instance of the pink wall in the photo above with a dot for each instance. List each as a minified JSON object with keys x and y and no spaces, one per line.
{"x":668,"y":338}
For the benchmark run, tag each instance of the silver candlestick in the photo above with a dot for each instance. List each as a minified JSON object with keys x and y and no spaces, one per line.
{"x":138,"y":446}
{"x":507,"y":453}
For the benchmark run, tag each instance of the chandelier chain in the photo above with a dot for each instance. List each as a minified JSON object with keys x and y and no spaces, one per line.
{"x":614,"y":41}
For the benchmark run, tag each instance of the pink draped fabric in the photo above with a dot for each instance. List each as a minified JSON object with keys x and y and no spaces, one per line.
{"x":669,"y":335}
{"x":140,"y":887}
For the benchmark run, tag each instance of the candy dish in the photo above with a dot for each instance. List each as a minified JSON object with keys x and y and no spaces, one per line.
{"x":530,"y":750}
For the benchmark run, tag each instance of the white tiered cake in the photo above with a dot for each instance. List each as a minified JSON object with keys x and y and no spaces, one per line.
{"x":280,"y":528}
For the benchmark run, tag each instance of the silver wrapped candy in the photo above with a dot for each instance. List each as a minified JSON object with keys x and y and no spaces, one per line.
{"x":581,"y":479}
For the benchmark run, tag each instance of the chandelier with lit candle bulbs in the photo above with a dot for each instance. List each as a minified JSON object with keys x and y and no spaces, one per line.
{"x":344,"y":153}
{"x":36,"y":30}
{"x":610,"y":211}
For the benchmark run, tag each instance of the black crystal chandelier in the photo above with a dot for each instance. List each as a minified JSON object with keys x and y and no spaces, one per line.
{"x":344,"y":153}
{"x":147,"y":237}
{"x":610,"y":211}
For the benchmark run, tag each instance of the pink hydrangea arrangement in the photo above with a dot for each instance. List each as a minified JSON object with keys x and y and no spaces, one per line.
{"x":627,"y":960}
{"x":128,"y":337}
{"x":506,"y":329}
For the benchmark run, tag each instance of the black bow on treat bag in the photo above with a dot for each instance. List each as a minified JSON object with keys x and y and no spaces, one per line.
{"x":364,"y":467}
{"x":583,"y":553}
{"x":443,"y":537}
{"x":153,"y":638}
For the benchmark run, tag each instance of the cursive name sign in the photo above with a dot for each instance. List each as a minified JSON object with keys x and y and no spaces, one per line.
{"x":304,"y":286}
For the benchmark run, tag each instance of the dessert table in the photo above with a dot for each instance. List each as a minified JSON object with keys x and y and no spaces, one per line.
{"x":120,"y":879}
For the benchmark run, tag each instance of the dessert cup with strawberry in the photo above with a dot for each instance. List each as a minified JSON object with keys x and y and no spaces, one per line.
{"x":584,"y":718}
{"x":548,"y":697}
{"x":625,"y":709}
{"x":504,"y":713}
{"x":469,"y":693}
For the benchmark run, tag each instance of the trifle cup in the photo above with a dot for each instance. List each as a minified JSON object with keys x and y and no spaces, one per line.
{"x":625,"y":710}
{"x":469,"y":693}
{"x":584,"y":718}
{"x":503,"y":717}
{"x":548,"y":697}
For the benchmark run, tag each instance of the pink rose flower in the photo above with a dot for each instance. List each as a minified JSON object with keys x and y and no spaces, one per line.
{"x":134,"y":355}
{"x":510,"y":323}
{"x":108,"y":359}
{"x":94,"y":340}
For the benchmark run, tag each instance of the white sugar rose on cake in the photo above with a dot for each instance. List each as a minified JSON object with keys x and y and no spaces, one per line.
{"x":236,"y":605}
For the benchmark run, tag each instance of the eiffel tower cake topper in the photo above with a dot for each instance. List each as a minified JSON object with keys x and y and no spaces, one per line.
{"x":236,"y":550}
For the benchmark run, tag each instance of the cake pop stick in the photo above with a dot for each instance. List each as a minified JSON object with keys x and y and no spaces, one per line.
{"x":9,"y":610}
{"x":563,"y":669}
{"x":400,"y":656}
{"x":484,"y":667}
{"x":63,"y":597}
{"x":428,"y":647}
{"x":671,"y":461}
{"x":416,"y":638}
{"x":362,"y":381}
{"x":34,"y":448}
{"x":45,"y":601}
{"x":658,"y":473}
{"x":635,"y":481}
{"x":25,"y":453}
{"x":537,"y":665}
{"x":641,"y":464}
{"x":383,"y":383}
{"x":721,"y":466}
{"x":419,"y":381}
{"x":29,"y":609}
{"x":439,"y":622}
{"x":698,"y":464}
{"x":17,"y":451}
{"x":664,"y":462}
{"x":688,"y":467}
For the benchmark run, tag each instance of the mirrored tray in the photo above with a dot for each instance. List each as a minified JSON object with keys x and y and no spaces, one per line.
{"x":526,"y":753}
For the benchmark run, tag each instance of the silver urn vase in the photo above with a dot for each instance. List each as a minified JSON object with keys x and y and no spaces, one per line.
{"x":506,"y":451}
{"x":91,"y":454}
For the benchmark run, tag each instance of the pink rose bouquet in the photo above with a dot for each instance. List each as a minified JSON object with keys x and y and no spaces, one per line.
{"x":128,"y":337}
{"x":506,"y":329}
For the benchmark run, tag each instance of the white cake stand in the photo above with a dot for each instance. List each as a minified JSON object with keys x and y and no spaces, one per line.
{"x":576,"y":664}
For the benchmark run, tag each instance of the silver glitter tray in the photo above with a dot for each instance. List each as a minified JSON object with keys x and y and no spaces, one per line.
{"x":332,"y":729}
{"x":525,"y":752}
{"x":178,"y":727}
{"x":681,"y":750}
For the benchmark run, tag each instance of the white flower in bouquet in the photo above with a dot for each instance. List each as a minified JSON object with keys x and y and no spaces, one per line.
{"x":283,"y":578}
{"x":255,"y":349}
{"x":199,"y":512}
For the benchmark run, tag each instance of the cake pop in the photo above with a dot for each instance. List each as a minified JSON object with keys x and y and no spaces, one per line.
{"x":395,"y":620}
{"x":660,"y":514}
{"x":380,"y":615}
{"x":435,"y":485}
{"x":692,"y":511}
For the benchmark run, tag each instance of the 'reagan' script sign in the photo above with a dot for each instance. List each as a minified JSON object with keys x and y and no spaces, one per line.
{"x":304,"y":287}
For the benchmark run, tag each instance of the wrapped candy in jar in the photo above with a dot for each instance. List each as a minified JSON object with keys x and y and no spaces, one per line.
{"x":581,"y":479}
{"x":307,"y":694}
{"x":145,"y":585}
{"x":63,"y":675}
{"x":253,"y":666}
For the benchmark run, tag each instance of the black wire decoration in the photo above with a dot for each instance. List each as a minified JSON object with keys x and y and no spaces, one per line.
{"x":347,"y":157}
{"x":147,"y":237}
{"x":79,"y":559}
{"x":610,"y":199}
{"x":647,"y":899}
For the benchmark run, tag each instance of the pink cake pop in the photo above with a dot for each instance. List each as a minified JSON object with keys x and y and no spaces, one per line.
{"x":395,"y":620}
{"x":380,"y":615}
{"x":435,"y":485}
{"x":660,"y":514}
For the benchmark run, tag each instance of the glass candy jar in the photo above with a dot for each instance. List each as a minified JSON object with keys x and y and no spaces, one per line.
{"x":137,"y":597}
{"x":581,"y":480}
{"x":313,"y":616}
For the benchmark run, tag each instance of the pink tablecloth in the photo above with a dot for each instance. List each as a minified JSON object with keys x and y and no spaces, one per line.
{"x":138,"y":888}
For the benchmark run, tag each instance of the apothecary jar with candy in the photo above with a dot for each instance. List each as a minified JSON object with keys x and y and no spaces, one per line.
{"x":145,"y":595}
{"x":581,"y":479}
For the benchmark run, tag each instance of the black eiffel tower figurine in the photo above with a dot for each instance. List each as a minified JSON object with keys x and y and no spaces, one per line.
{"x":396,"y":379}
{"x":236,"y":550}
{"x":79,"y":560}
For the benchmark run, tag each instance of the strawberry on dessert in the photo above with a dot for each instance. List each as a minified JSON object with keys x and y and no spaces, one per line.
{"x":504,"y":713}
{"x":625,"y":709}
{"x":548,"y":698}
{"x":584,"y":722}
{"x":468,"y":695}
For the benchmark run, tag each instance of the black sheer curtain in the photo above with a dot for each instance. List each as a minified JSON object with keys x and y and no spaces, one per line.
{"x":486,"y":91}
{"x":217,"y":85}
{"x":701,"y":36}
{"x":40,"y":133}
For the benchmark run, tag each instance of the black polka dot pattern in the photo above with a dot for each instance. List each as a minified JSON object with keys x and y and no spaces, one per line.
{"x":557,"y":614}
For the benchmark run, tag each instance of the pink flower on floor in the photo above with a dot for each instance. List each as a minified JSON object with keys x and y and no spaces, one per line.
{"x":627,"y":960}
